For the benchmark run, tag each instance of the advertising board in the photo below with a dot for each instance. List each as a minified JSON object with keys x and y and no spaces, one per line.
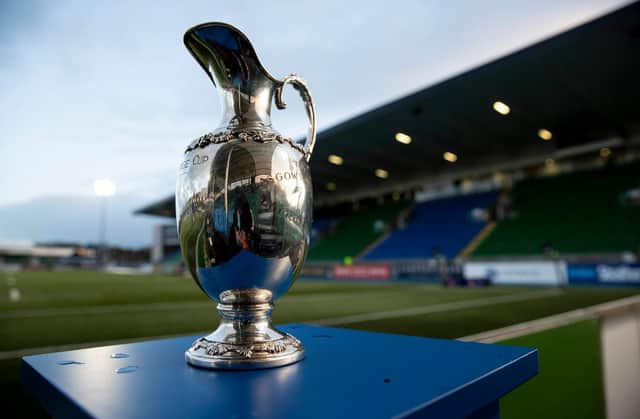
{"x":376,"y":271}
{"x":547,"y":272}
{"x":604,"y":273}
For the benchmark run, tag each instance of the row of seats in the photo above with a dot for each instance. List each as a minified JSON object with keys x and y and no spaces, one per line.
{"x":320,"y":227}
{"x":438,"y":227}
{"x":577,"y":213}
{"x":351,"y":234}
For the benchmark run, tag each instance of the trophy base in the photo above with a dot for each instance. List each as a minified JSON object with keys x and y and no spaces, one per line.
{"x":245,"y":338}
{"x":219,"y":355}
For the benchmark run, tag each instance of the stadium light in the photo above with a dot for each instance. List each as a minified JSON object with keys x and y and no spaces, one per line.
{"x":104,"y":187}
{"x":545,"y":134}
{"x":501,"y":107}
{"x":335,"y":159}
{"x":381,"y":173}
{"x":331,"y":186}
{"x":403,"y":138}
{"x":450,"y":157}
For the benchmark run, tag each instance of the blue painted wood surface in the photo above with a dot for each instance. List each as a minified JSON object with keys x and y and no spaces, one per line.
{"x":346,"y":373}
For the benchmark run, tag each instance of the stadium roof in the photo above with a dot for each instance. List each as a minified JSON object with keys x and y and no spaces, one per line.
{"x":582,"y":86}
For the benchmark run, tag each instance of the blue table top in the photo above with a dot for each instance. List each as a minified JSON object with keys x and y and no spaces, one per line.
{"x":346,"y":373}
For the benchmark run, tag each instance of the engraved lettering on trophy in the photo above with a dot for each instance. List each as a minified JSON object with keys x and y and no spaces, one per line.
{"x":199,"y":159}
{"x":263,"y":178}
{"x":280,"y":176}
{"x":292,"y":216}
{"x":194,"y":161}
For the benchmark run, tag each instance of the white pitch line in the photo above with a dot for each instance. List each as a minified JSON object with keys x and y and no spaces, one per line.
{"x":435,"y":308}
{"x":17,"y":353}
{"x":554,"y":321}
{"x":14,"y":295}
{"x":156,"y":307}
{"x":107,"y":309}
{"x":11,"y":280}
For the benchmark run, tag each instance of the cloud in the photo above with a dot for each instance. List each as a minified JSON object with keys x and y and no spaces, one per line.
{"x":106,"y":89}
{"x":75,"y":219}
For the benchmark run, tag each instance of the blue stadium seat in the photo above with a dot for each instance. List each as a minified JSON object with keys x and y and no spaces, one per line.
{"x":444,"y":223}
{"x":319,"y":226}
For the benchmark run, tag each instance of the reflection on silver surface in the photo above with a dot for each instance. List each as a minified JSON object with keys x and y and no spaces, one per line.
{"x":243,"y":205}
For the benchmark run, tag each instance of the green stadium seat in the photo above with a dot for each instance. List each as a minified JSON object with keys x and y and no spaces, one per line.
{"x":354,"y":232}
{"x":576,"y":213}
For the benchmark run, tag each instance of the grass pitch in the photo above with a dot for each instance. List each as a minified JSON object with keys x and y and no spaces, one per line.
{"x":60,"y":310}
{"x":569,"y":384}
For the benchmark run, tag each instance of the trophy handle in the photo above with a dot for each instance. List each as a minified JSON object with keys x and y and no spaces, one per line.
{"x":301,"y":86}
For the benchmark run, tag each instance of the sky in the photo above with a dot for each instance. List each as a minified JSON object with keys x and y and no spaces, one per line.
{"x":93,"y":90}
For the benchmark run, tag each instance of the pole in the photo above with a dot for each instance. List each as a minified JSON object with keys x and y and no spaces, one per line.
{"x":102,"y":232}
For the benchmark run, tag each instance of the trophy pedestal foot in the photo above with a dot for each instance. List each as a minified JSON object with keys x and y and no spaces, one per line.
{"x":237,"y":356}
{"x":245,"y":338}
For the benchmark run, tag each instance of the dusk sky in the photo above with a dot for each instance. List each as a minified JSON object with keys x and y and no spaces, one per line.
{"x":94,"y":90}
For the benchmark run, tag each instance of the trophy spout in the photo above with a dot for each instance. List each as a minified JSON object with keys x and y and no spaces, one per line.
{"x":246,"y":89}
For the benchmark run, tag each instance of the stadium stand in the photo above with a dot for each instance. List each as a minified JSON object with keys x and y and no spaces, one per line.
{"x":576,"y":213}
{"x":320,"y":226}
{"x":172,"y":263}
{"x":354,"y":232}
{"x":443,"y":224}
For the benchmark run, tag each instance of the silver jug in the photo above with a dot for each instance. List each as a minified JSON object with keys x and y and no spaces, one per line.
{"x":244,"y":205}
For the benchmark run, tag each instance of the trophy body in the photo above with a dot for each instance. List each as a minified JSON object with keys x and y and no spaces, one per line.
{"x":244,"y":206}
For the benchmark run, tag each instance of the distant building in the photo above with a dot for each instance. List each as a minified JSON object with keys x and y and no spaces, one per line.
{"x":18,"y":255}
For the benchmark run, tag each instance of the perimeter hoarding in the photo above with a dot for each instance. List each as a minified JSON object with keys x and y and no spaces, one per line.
{"x":547,"y":272}
{"x":604,"y":274}
{"x":364,"y":271}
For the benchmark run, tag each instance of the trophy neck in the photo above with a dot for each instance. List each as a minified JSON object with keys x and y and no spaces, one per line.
{"x":245,"y":88}
{"x":249,"y":109}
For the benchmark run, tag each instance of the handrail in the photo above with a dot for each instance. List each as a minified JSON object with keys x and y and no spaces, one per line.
{"x":629,"y":304}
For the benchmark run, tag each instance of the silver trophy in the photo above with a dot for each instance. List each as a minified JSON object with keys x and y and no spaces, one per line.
{"x":244,"y":205}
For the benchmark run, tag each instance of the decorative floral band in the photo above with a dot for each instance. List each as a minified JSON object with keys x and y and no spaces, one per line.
{"x":248,"y":350}
{"x":244,"y":136}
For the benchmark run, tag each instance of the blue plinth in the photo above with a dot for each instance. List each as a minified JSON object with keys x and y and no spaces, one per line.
{"x":346,"y":373}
